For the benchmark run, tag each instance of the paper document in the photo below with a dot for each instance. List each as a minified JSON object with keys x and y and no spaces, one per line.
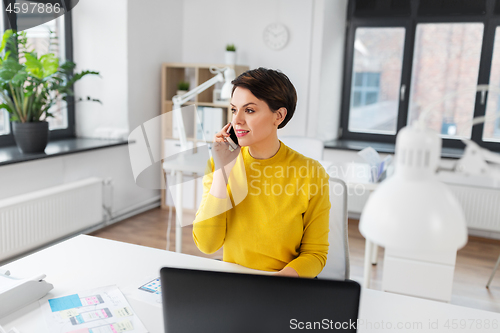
{"x":377,"y":165}
{"x":147,"y":290}
{"x":102,"y":310}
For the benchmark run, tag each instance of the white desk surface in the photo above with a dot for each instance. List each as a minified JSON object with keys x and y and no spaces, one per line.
{"x":188,"y":163}
{"x":86,"y":262}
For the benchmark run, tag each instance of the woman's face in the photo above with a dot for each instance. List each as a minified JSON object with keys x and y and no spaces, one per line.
{"x":253,"y":120}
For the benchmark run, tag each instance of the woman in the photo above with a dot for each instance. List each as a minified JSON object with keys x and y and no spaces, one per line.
{"x":267,"y":204}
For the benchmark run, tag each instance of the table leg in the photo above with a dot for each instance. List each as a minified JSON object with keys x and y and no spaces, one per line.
{"x":374,"y":253}
{"x":178,"y":213}
{"x":493,"y":273}
{"x":367,"y":264}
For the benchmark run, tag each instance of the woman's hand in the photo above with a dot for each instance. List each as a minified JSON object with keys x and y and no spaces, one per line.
{"x":223,"y":157}
{"x":287,"y":271}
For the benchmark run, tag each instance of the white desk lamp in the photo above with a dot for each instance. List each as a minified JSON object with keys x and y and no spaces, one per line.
{"x":416,"y":217}
{"x":228,"y":76}
{"x":412,"y":210}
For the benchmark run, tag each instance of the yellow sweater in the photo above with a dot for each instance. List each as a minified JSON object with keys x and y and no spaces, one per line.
{"x":279,"y":216}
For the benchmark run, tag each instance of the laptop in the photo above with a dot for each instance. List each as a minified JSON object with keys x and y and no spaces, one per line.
{"x":207,"y":301}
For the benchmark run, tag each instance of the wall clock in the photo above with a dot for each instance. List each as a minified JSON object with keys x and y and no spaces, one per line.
{"x":276,"y":36}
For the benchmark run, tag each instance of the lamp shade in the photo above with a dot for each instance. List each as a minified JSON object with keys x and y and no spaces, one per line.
{"x":227,"y":88}
{"x":412,"y":210}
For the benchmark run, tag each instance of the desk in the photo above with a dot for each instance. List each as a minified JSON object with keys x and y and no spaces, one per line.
{"x":86,"y":262}
{"x":195,"y":163}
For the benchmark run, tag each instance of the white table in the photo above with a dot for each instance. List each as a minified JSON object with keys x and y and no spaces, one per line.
{"x":86,"y":262}
{"x":194,"y":164}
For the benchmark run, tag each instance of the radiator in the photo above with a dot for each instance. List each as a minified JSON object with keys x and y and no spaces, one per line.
{"x":481,"y":206}
{"x":34,"y":219}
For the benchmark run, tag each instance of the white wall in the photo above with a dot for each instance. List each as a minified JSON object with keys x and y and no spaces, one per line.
{"x":209,"y":25}
{"x":100,"y":44}
{"x":313,"y":58}
{"x":153,"y":37}
{"x":327,"y":71}
{"x":127,"y":42}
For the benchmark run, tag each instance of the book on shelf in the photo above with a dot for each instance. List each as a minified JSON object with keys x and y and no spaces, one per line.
{"x":210,"y":122}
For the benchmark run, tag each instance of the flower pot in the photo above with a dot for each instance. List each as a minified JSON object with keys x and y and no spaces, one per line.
{"x":31,"y":137}
{"x":230,"y":57}
{"x":183,"y":92}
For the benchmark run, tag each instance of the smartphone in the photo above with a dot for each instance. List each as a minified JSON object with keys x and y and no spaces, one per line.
{"x":232,"y":139}
{"x":153,"y":286}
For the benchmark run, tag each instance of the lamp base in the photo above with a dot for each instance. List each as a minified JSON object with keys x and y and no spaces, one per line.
{"x":427,"y":276}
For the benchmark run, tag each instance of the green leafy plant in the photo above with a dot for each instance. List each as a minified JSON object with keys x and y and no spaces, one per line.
{"x":230,"y":47}
{"x":183,"y":85}
{"x":30,"y":84}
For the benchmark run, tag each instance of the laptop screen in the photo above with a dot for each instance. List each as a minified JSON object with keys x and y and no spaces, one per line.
{"x":206,"y":301}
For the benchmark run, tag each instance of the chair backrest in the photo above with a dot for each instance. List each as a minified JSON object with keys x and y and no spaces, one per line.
{"x":309,"y":147}
{"x":337,"y":263}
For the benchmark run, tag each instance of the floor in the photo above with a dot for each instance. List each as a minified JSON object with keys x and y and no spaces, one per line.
{"x":474,"y":262}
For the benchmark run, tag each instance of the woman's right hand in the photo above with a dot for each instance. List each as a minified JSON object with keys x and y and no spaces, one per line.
{"x":220,"y":136}
{"x":221,"y":153}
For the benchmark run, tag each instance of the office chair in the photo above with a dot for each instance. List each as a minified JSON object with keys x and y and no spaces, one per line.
{"x":309,"y":147}
{"x":337,"y":263}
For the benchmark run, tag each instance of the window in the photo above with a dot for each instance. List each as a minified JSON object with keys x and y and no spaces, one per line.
{"x":43,"y":41}
{"x":4,"y":115}
{"x":403,"y":57}
{"x":39,"y":38}
{"x":446,"y":61}
{"x":4,"y":122}
{"x":378,"y":56}
{"x":492,"y":127}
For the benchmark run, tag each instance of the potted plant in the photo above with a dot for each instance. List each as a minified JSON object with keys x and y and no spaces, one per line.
{"x":182,"y":88}
{"x":29,"y":86}
{"x":230,"y":55}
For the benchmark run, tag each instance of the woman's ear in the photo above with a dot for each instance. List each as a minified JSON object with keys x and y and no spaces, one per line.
{"x":280,"y":116}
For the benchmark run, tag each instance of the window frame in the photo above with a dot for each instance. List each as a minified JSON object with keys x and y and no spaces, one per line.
{"x":410,"y":23}
{"x":496,"y":130}
{"x":65,"y":133}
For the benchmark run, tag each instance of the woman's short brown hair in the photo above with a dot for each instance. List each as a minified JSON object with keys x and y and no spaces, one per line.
{"x":270,"y":86}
